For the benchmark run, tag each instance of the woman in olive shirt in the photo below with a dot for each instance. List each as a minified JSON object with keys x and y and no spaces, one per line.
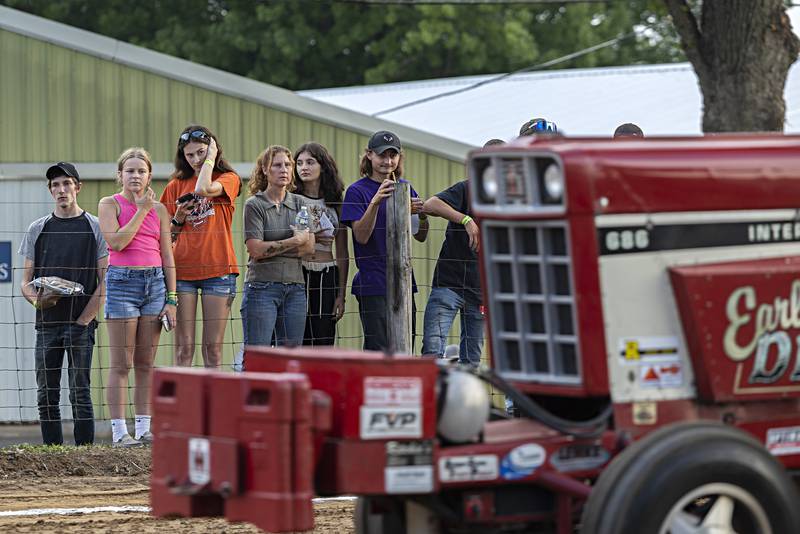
{"x":274,"y":291}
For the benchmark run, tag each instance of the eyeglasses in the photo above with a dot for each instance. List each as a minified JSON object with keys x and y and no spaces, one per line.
{"x":197,"y":135}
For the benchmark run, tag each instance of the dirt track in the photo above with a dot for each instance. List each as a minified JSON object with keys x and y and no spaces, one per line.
{"x":100,"y":476}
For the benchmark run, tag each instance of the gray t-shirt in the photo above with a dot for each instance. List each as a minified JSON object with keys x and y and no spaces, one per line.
{"x":267,"y":221}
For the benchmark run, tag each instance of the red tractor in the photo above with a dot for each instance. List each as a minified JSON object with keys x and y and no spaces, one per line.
{"x":643,"y":308}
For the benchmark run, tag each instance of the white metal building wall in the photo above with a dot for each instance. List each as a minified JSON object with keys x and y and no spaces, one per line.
{"x":22,"y":201}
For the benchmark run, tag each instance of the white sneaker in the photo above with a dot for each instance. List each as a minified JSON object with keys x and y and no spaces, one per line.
{"x":146,"y":438}
{"x":126,"y":442}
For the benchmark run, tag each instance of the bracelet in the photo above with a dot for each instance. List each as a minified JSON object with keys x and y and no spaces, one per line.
{"x":172,"y":294}
{"x":422,"y":217}
{"x":466,"y":220}
{"x":176,"y":223}
{"x":172,"y":301}
{"x":209,"y":162}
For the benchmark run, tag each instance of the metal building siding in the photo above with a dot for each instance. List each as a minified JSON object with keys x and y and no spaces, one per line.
{"x":60,"y":104}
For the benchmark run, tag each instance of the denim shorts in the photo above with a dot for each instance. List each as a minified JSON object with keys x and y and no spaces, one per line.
{"x":134,"y":292}
{"x":219,"y":286}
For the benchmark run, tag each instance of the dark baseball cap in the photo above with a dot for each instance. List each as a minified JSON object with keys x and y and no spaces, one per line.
{"x":62,"y":168}
{"x":382,"y":141}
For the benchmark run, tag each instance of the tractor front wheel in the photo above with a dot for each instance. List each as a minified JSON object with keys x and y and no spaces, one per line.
{"x":693,"y":478}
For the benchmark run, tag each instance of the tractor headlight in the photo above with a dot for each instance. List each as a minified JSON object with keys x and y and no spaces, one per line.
{"x":554,"y":182}
{"x":489,"y":183}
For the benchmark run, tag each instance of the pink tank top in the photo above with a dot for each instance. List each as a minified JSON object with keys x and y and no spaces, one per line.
{"x":144,"y":250}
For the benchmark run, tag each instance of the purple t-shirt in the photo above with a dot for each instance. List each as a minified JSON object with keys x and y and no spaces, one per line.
{"x":370,"y":280}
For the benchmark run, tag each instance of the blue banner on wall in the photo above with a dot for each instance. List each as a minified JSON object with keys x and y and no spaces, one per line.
{"x":5,"y":261}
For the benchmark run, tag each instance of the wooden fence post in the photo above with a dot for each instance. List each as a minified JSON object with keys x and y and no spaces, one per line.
{"x":398,"y":269}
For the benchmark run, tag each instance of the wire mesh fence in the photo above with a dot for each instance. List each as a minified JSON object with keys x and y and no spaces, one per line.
{"x":18,"y":376}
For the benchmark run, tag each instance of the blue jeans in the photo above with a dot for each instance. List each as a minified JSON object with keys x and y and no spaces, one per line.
{"x":269,"y":307}
{"x":51,"y":343}
{"x":440,"y":312}
{"x":218,"y":286}
{"x":134,"y":292}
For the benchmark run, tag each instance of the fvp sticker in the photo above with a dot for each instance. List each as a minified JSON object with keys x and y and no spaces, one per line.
{"x":522,"y":461}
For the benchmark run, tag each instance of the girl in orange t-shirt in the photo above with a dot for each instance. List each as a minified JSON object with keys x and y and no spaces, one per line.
{"x":200,"y":198}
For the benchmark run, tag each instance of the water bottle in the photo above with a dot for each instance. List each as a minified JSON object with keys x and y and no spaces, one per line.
{"x":301,"y":219}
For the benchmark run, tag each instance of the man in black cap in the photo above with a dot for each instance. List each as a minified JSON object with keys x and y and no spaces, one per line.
{"x":67,"y":247}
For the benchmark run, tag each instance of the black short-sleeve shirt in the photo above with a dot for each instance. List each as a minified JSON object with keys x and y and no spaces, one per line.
{"x":457,"y":267}
{"x":68,"y":248}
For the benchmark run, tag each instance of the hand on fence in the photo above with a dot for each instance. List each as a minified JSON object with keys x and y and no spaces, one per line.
{"x":416,"y":205}
{"x":384,"y":191}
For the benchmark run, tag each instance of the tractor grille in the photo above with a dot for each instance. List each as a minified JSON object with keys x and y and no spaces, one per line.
{"x":531,"y":301}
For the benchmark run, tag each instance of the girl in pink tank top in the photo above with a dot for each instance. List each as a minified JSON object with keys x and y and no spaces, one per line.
{"x":140,"y":289}
{"x":145,"y":248}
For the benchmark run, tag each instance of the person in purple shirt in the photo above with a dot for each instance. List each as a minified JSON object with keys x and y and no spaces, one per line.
{"x":364,"y":211}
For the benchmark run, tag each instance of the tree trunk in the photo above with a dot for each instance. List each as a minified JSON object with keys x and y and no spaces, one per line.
{"x":741,"y":52}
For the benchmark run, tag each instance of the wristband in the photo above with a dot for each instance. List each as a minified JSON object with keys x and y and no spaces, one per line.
{"x":172,"y":301}
{"x":176,"y":223}
{"x":422,"y":217}
{"x":209,"y":162}
{"x":466,"y":220}
{"x":172,"y":294}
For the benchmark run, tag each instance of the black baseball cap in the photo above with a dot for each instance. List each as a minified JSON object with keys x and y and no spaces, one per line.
{"x":62,"y":168}
{"x":382,"y":141}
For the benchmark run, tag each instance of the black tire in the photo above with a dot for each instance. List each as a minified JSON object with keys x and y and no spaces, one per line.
{"x":382,"y":517}
{"x":648,"y":483}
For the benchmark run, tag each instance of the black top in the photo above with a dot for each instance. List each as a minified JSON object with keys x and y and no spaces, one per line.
{"x":68,"y":248}
{"x":457,"y":267}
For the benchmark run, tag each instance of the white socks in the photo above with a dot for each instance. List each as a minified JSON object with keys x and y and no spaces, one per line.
{"x":118,"y":429}
{"x":142,"y":425}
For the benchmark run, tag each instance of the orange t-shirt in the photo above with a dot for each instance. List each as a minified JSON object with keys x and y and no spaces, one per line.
{"x":204,"y":248}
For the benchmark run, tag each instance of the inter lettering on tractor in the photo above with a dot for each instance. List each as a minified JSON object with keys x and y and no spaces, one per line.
{"x":643,"y":305}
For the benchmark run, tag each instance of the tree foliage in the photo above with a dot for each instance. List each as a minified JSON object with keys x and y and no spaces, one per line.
{"x":304,"y":44}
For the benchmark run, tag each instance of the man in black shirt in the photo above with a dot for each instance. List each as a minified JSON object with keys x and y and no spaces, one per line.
{"x":456,"y":282}
{"x":68,"y":244}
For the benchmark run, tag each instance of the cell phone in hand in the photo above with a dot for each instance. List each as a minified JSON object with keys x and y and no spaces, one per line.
{"x":165,"y":323}
{"x":185,"y":198}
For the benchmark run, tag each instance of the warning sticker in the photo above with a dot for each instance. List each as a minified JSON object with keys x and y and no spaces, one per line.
{"x":392,"y":391}
{"x":783,"y":441}
{"x":404,"y":453}
{"x":412,"y":479}
{"x":199,"y":461}
{"x":668,"y":375}
{"x":468,"y":468}
{"x":648,"y":349}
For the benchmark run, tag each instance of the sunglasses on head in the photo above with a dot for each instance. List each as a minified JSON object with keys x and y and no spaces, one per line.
{"x":542,"y":125}
{"x":197,"y":135}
